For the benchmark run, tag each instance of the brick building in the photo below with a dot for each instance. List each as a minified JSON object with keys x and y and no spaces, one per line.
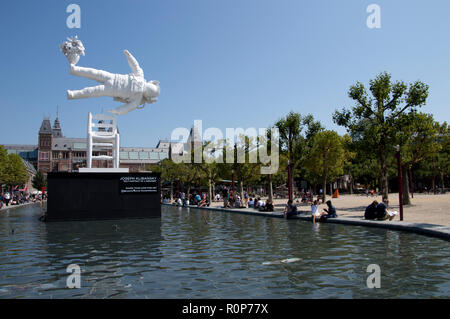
{"x":57,"y":153}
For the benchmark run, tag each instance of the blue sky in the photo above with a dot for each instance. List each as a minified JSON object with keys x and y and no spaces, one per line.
{"x":230,"y":63}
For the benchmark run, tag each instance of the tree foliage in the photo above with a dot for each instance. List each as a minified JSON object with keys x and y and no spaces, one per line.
{"x":374,"y":117}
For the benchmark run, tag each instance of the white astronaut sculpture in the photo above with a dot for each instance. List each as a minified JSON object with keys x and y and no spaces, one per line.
{"x":131,"y":89}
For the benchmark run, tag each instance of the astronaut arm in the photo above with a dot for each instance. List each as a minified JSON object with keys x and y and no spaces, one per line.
{"x":134,"y":65}
{"x":119,"y":99}
{"x":125,"y":108}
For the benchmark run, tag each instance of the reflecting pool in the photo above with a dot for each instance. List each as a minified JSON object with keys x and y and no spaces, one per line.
{"x":190,"y":253}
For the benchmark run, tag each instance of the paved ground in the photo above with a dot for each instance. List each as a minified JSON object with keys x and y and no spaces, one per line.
{"x":428,"y":209}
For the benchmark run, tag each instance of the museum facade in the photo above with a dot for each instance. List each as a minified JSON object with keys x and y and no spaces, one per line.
{"x":57,"y":153}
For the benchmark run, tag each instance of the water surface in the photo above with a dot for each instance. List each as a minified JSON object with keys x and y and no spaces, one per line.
{"x":189,"y":253}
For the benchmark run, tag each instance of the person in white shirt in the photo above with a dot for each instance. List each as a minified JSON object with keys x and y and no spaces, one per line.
{"x":7,"y":198}
{"x":315,"y":214}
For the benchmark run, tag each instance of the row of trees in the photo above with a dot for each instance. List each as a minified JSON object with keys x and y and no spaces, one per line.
{"x":376,"y":124}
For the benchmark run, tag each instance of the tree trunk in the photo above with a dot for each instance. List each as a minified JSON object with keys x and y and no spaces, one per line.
{"x":171,"y":191}
{"x":405,"y":179}
{"x":331,"y":189}
{"x":351,"y":185}
{"x":291,"y":181}
{"x":434,"y":184}
{"x":241,"y":186}
{"x":384,"y":181}
{"x":270,"y":188}
{"x":442,"y":182}
{"x":411,"y":183}
{"x":210,"y":190}
{"x":324,"y":190}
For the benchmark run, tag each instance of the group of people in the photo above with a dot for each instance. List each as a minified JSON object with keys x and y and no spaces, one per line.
{"x":378,"y":211}
{"x":18,"y":198}
{"x":330,"y":212}
{"x":262,"y":206}
{"x":200,"y":200}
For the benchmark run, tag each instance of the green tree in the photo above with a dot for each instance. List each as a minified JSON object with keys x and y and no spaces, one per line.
{"x":39,"y":181}
{"x":15,"y":172}
{"x":292,"y":143}
{"x":3,"y":163}
{"x":327,"y":157}
{"x":290,"y":128}
{"x":373,"y":118}
{"x":169,"y":173}
{"x":418,"y":139}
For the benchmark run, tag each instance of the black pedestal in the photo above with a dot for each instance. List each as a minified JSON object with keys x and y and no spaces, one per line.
{"x":84,"y":196}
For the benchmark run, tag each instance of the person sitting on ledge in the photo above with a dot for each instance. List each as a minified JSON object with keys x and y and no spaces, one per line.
{"x":382,"y":212}
{"x":259,"y":204}
{"x":178,"y":202}
{"x":237,"y":203}
{"x":197,"y":199}
{"x":371,"y":211}
{"x":315,"y":214}
{"x":268,"y":206}
{"x":203,"y":202}
{"x":251,"y":202}
{"x":329,"y":213}
{"x":290,"y":209}
{"x":256,"y":203}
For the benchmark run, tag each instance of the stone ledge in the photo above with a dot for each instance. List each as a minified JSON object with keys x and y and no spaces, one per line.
{"x":4,"y":208}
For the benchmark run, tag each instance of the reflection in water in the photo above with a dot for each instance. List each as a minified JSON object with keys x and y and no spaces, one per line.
{"x":203,"y":254}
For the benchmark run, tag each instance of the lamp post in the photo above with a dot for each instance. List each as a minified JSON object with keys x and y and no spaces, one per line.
{"x":289,"y":180}
{"x":232,"y":180}
{"x":400,"y":181}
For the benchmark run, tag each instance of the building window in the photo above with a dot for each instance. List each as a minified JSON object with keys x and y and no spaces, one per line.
{"x":143,"y":155}
{"x":133,"y":155}
{"x":44,"y":156}
{"x":65,"y":155}
{"x":55,"y":155}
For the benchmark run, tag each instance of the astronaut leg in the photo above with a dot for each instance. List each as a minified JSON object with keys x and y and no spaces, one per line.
{"x":93,"y":74}
{"x":93,"y":91}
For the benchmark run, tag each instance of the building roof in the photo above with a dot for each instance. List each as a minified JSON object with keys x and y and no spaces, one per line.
{"x":20,"y":147}
{"x":27,"y":152}
{"x":30,"y":168}
{"x":67,"y":144}
{"x":46,"y":127}
{"x":142,"y":155}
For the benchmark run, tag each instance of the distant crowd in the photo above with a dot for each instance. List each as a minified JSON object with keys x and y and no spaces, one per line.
{"x":18,"y":198}
{"x":232,"y":200}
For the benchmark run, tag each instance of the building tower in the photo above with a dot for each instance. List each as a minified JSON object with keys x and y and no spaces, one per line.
{"x":45,"y":146}
{"x":56,"y":130}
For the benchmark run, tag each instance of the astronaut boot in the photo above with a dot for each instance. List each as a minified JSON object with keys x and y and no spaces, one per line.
{"x":70,"y":95}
